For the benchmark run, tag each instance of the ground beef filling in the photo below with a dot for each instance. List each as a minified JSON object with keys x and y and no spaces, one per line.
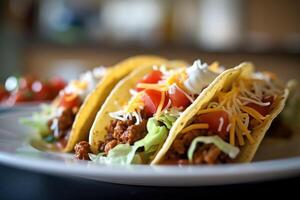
{"x":123,"y":132}
{"x":204,"y":153}
{"x":61,"y":125}
{"x":82,"y":150}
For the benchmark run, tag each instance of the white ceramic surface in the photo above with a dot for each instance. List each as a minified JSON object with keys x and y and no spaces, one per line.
{"x":15,"y":150}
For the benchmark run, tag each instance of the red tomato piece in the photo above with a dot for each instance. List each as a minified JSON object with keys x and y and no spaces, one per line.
{"x":214,"y":121}
{"x":263,"y":110}
{"x":70,"y":101}
{"x":153,"y":77}
{"x":151,"y":100}
{"x":57,"y":83}
{"x":42,"y":91}
{"x":178,"y":98}
{"x":25,"y":82}
{"x":3,"y":93}
{"x":23,"y":95}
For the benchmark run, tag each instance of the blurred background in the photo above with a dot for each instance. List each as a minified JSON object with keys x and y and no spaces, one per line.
{"x":65,"y":37}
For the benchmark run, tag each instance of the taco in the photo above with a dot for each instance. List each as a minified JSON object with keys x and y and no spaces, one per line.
{"x":134,"y":122}
{"x":69,"y":117}
{"x":228,"y":122}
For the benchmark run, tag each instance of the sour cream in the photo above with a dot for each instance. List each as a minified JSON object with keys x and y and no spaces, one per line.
{"x":199,"y":77}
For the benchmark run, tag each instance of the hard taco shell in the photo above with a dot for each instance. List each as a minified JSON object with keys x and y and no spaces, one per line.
{"x":223,"y":81}
{"x":118,"y":97}
{"x":87,"y":112}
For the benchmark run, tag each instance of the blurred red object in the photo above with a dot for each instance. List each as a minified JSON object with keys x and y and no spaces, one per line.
{"x":29,"y":89}
{"x":3,"y":93}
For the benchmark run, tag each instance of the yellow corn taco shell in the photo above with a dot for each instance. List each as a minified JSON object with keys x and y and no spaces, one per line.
{"x":87,"y":113}
{"x":118,"y":97}
{"x":223,"y":81}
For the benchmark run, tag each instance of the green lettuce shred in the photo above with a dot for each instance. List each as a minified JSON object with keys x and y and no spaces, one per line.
{"x":227,"y":148}
{"x":120,"y":154}
{"x":125,"y":154}
{"x":167,"y":120}
{"x":39,"y":120}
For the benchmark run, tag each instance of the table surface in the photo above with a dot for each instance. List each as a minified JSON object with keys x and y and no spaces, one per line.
{"x":23,"y":184}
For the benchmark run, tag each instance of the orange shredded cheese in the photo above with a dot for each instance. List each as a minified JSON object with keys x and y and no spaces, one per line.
{"x":161,"y":104}
{"x":195,"y":126}
{"x":156,"y":86}
{"x":232,"y":131}
{"x":256,"y":115}
{"x":208,"y":110}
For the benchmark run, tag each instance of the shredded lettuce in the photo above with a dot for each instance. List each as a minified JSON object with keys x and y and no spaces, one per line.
{"x":156,"y":136}
{"x":39,"y":120}
{"x":229,"y":149}
{"x":121,"y":154}
{"x":167,"y":120}
{"x":126,"y":154}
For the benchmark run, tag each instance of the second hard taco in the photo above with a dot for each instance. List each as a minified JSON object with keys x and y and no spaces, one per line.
{"x":137,"y":117}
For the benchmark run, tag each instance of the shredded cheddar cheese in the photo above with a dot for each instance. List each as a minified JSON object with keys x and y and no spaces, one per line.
{"x":240,"y":137}
{"x":232,"y":131}
{"x":156,"y":86}
{"x":208,"y":110}
{"x":234,"y":102}
{"x":80,"y":84}
{"x":177,"y":77}
{"x":195,"y":126}
{"x":161,"y":104}
{"x":270,"y":74}
{"x":70,"y":97}
{"x":249,"y":137}
{"x":135,"y":102}
{"x":215,"y":67}
{"x":241,"y":125}
{"x":256,"y":115}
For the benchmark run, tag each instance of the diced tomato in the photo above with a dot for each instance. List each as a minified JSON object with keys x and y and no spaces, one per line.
{"x":42,"y":91}
{"x":263,"y":110}
{"x":151,"y":100}
{"x":3,"y":93}
{"x":57,"y":83}
{"x":213,"y":119}
{"x":153,"y":77}
{"x":23,"y":95}
{"x":177,"y":97}
{"x":70,"y":101}
{"x":25,"y":82}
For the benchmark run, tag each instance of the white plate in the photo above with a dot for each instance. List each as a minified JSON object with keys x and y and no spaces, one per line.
{"x":15,"y":150}
{"x":21,"y":106}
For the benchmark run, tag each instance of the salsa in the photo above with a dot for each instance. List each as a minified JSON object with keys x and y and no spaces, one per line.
{"x":28,"y":88}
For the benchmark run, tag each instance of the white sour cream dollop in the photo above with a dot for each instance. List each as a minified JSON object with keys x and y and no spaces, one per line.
{"x":199,"y":77}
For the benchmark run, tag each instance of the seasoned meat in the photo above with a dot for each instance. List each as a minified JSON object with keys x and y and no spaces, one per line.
{"x":81,"y":150}
{"x":178,"y":147}
{"x":120,"y":128}
{"x":134,"y":133}
{"x":123,"y":132}
{"x":207,"y":155}
{"x":61,"y":124}
{"x":181,"y":144}
{"x":111,"y":144}
{"x":204,"y":153}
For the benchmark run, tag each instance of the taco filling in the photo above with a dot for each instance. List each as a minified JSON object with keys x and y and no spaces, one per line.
{"x":137,"y":131}
{"x":225,"y":124}
{"x":55,"y":121}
